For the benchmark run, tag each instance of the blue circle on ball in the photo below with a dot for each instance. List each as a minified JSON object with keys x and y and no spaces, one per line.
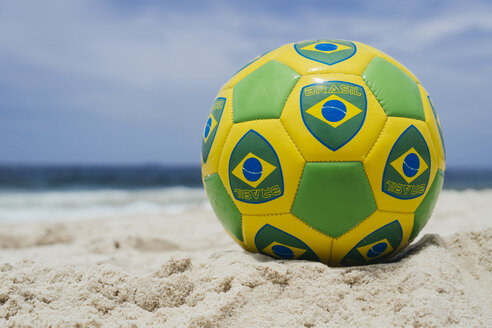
{"x":334,"y":110}
{"x":283,"y":251}
{"x":207,"y":127}
{"x":377,"y":249}
{"x":411,"y":165}
{"x":252,"y":169}
{"x":326,"y":46}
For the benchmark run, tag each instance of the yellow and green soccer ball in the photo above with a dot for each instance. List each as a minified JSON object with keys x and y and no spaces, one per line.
{"x":323,"y":150}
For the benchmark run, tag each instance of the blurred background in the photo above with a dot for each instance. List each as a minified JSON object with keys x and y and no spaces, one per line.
{"x":102,"y":103}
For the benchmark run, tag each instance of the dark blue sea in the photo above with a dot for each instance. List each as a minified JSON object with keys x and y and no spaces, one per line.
{"x":43,"y":193}
{"x":41,"y":178}
{"x":33,"y":193}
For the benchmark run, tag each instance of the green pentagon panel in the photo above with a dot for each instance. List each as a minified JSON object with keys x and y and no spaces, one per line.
{"x":334,"y":197}
{"x":395,"y":90}
{"x":223,"y":206}
{"x":255,"y":59}
{"x":424,"y":211}
{"x":262,"y":94}
{"x":438,"y":125}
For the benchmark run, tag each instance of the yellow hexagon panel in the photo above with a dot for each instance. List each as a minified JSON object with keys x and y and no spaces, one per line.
{"x":401,"y":165}
{"x":375,"y":239}
{"x":285,"y":236}
{"x":253,"y":65}
{"x":260,"y":167}
{"x":298,"y":57}
{"x":381,"y":54}
{"x":217,"y":127}
{"x":333,"y":117}
{"x":434,"y":125}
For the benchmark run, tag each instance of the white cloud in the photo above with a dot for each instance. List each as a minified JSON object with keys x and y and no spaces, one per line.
{"x":154,"y":46}
{"x":140,"y":63}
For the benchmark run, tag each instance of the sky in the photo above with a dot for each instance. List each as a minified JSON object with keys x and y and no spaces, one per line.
{"x":131,"y":82}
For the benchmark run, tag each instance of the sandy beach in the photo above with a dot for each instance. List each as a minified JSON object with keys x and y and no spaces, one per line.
{"x":183,"y":270}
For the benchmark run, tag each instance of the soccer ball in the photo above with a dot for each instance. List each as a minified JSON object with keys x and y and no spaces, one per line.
{"x":323,"y":150}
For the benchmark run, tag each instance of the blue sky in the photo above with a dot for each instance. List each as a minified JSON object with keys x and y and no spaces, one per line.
{"x":132,"y":81}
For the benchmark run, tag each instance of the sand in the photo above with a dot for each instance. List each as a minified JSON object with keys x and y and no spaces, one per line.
{"x":182,"y":270}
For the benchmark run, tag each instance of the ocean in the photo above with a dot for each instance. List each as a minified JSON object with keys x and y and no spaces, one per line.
{"x":43,"y":193}
{"x":40,"y":193}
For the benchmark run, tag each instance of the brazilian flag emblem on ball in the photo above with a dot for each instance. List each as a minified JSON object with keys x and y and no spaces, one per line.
{"x":323,"y":150}
{"x":255,"y":173}
{"x":333,"y":111}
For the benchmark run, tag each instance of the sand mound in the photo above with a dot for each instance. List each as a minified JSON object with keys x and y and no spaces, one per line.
{"x":135,"y":272}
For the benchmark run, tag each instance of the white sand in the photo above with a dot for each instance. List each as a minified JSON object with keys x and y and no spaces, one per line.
{"x":184,"y":271}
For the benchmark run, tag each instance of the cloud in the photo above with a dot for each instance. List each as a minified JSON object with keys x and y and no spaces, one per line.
{"x":156,"y":45}
{"x":157,"y":65}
